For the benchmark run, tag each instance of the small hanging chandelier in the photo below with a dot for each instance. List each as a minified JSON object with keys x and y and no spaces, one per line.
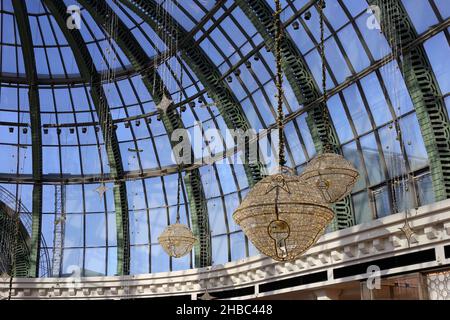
{"x":331,"y":173}
{"x":177,"y":239}
{"x":282,"y":215}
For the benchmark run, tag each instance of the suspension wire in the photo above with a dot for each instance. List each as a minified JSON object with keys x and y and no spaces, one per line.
{"x":180,"y":181}
{"x":181,"y":79}
{"x":155,"y":63}
{"x":389,"y":34}
{"x":108,"y":75}
{"x":279,"y":82}
{"x":327,"y":147}
{"x":406,"y":176}
{"x":398,"y":165}
{"x":402,"y":178}
{"x":180,"y":178}
{"x":322,"y":50}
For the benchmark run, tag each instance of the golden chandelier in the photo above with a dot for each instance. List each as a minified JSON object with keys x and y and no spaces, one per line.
{"x":177,"y":240}
{"x":284,"y":214}
{"x":332,"y":174}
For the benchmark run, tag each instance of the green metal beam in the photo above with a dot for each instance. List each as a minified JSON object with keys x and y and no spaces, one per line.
{"x":202,"y":66}
{"x":8,"y":225}
{"x":170,"y":118}
{"x":423,"y":89}
{"x":304,"y":87}
{"x":23,"y":25}
{"x":90,"y":74}
{"x":200,"y":219}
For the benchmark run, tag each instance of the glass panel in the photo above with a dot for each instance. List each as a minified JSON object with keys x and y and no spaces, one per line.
{"x":216,"y":216}
{"x":95,"y":230}
{"x":438,"y":52}
{"x":357,"y":109}
{"x":413,"y":141}
{"x":382,"y":202}
{"x":237,"y":246}
{"x":72,"y":264}
{"x":421,"y":14}
{"x":353,"y":48}
{"x":425,"y":189}
{"x":139,"y":259}
{"x":352,"y":154}
{"x":219,"y":250}
{"x":160,"y":259}
{"x":95,"y":262}
{"x":403,"y":196}
{"x":340,"y":120}
{"x":361,"y":208}
{"x":372,"y":159}
{"x":392,"y":152}
{"x":376,"y":100}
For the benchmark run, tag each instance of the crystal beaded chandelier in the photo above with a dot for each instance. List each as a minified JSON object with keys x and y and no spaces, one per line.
{"x":283,"y":216}
{"x":330,"y":172}
{"x":177,"y":239}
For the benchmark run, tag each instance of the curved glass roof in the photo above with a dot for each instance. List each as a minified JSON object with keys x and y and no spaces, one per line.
{"x":365,"y":81}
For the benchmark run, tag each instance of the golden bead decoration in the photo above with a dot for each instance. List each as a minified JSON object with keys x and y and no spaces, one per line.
{"x":332,"y":174}
{"x":283,"y":216}
{"x":177,"y":240}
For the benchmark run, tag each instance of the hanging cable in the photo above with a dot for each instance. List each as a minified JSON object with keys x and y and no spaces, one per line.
{"x":327,"y":146}
{"x":179,"y":194}
{"x":279,"y":83}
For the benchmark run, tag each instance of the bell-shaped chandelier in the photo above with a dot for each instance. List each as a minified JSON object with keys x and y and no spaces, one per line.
{"x":283,"y":215}
{"x":177,"y":239}
{"x":332,"y":174}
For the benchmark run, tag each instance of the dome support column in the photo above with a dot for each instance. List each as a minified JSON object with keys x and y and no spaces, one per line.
{"x":24,"y":28}
{"x":305,"y":89}
{"x":424,"y":91}
{"x":90,"y":74}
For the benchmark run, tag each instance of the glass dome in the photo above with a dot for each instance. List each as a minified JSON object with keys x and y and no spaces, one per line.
{"x":75,"y":74}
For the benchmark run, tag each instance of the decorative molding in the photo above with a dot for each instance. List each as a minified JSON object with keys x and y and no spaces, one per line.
{"x":359,"y":244}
